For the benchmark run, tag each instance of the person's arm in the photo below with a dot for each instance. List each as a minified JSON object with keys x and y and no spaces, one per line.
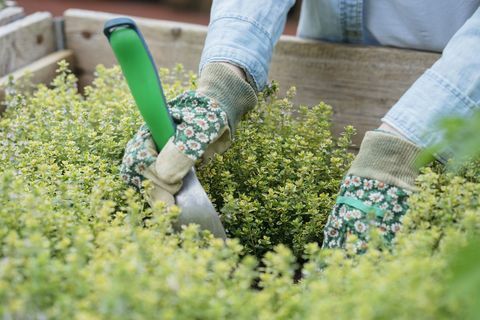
{"x":239,"y":47}
{"x":451,"y":87}
{"x":243,"y":33}
{"x":375,"y":190}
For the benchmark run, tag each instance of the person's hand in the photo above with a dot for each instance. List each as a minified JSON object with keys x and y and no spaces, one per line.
{"x":374,"y":192}
{"x":205,"y":120}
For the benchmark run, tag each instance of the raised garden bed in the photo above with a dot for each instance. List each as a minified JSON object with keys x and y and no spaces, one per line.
{"x":76,"y":243}
{"x":361,"y":83}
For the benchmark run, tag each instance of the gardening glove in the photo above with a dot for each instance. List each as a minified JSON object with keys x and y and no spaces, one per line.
{"x":374,"y":192}
{"x":205,"y":121}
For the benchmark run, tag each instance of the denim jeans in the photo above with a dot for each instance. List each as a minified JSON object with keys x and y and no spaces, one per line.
{"x":244,"y":33}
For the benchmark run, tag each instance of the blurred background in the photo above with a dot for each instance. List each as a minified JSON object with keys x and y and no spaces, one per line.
{"x":192,"y":11}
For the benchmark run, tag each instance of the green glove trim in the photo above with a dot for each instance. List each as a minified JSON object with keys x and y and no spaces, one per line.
{"x":235,"y":96}
{"x":355,"y":203}
{"x":388,"y":158}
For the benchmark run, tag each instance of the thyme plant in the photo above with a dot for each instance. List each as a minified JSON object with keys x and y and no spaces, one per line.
{"x":76,"y":243}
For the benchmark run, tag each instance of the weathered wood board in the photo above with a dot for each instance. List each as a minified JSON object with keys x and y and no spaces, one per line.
{"x":170,"y":42}
{"x":25,"y":40}
{"x":361,"y":83}
{"x":40,"y":71}
{"x":10,"y":14}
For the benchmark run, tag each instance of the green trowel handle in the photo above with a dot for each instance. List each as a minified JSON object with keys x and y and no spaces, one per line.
{"x":139,"y":69}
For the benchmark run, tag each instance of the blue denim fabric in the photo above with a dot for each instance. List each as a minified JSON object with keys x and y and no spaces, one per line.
{"x":244,"y":32}
{"x":451,"y":87}
{"x":332,"y":20}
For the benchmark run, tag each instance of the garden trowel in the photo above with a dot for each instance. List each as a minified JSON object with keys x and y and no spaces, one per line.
{"x":141,"y":74}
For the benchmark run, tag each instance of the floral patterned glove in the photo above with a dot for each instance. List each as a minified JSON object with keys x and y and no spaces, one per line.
{"x":374,"y":192}
{"x":204,"y":121}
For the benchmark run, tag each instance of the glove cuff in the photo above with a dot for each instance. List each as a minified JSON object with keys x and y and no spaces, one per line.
{"x":387,"y":158}
{"x":235,"y":96}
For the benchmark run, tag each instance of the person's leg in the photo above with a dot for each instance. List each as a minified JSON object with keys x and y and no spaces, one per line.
{"x":376,"y":188}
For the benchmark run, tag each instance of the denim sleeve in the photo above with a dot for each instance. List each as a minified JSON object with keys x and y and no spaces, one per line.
{"x":451,"y":87}
{"x":244,"y":32}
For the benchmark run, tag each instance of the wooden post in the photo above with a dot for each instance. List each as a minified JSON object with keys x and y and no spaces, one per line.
{"x":10,"y":14}
{"x":40,"y":71}
{"x":25,"y":40}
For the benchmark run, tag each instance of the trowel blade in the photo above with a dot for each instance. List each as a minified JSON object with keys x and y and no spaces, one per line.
{"x":196,"y":206}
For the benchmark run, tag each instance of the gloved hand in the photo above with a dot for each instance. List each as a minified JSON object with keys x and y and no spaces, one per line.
{"x":205,"y":121}
{"x":374,"y":192}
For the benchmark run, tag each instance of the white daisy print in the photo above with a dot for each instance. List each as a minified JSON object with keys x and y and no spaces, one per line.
{"x":193,"y":145}
{"x":137,"y":144}
{"x":376,"y":197}
{"x":180,"y":145}
{"x":181,"y":126}
{"x":397,"y":208}
{"x":360,"y":193}
{"x":356,"y":181}
{"x":142,"y":155}
{"x":189,"y":132}
{"x":202,"y":124}
{"x":383,"y":228}
{"x":357,"y":214}
{"x":346,"y":182}
{"x":202,"y":137}
{"x":332,"y":232}
{"x":388,"y":215}
{"x":140,"y":168}
{"x":348,"y":215}
{"x":395,"y":227}
{"x":341,"y":211}
{"x":337,"y":223}
{"x":367,"y":184}
{"x":188,"y":117}
{"x":212,"y":117}
{"x":392,"y":192}
{"x":200,"y":110}
{"x":213,"y":104}
{"x":349,"y":194}
{"x":383,"y":206}
{"x":360,"y":227}
{"x":128,"y":160}
{"x":136,"y":181}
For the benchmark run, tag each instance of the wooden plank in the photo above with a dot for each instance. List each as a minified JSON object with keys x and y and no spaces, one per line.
{"x":41,"y":71}
{"x":10,"y":14}
{"x":25,"y":40}
{"x":360,"y":82}
{"x":169,"y":42}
